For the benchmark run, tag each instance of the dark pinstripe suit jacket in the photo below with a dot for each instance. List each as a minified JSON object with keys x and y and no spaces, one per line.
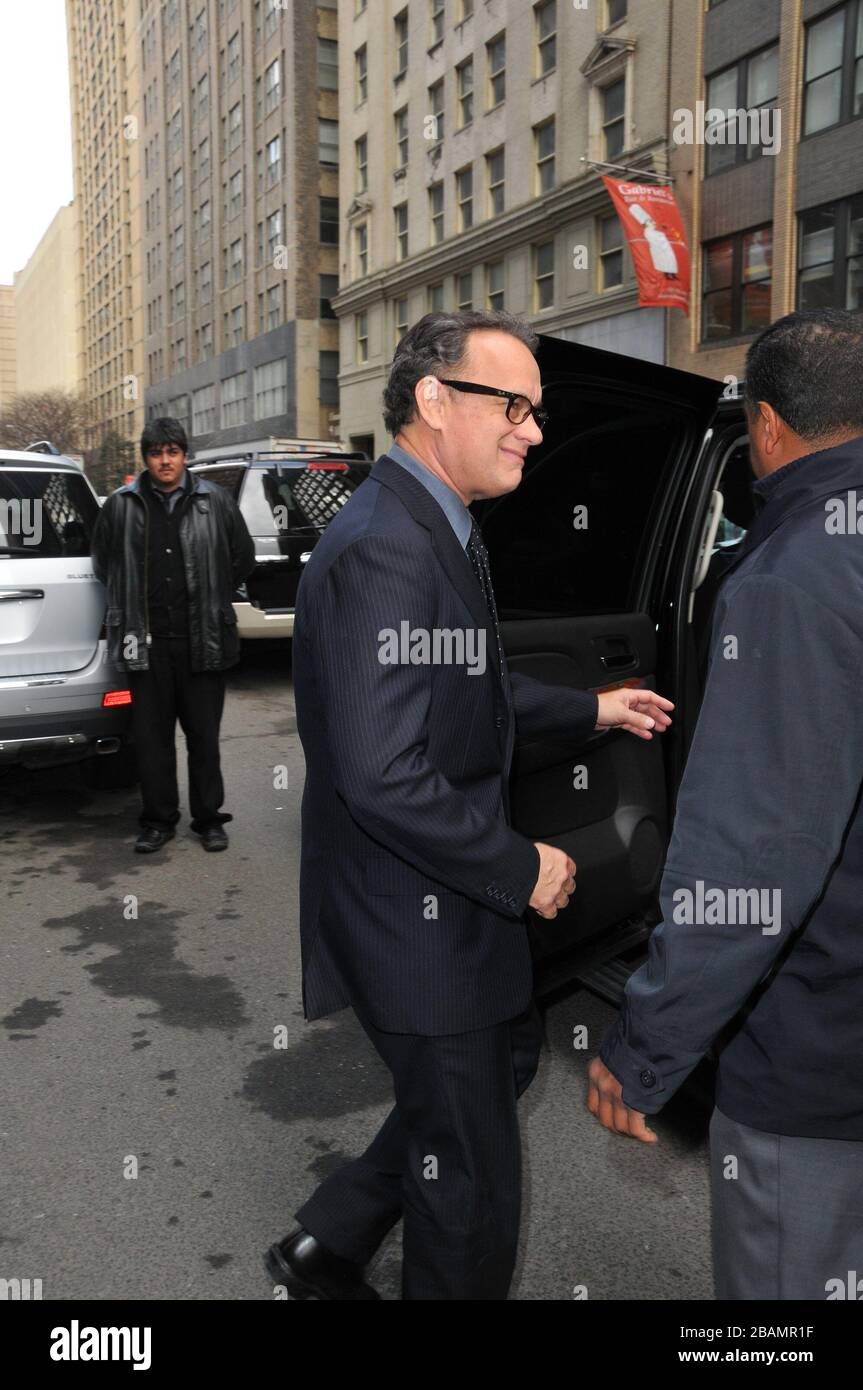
{"x":413,"y":885}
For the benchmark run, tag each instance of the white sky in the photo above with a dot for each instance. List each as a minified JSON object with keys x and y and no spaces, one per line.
{"x":35,"y":126}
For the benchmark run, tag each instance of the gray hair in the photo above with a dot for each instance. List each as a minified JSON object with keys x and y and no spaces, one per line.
{"x":440,"y":341}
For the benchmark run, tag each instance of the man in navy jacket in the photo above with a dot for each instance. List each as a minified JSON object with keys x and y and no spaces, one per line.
{"x":762,"y":937}
{"x":413,"y":884}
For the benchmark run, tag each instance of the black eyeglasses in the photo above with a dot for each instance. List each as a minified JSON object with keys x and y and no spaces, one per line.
{"x":518,"y":407}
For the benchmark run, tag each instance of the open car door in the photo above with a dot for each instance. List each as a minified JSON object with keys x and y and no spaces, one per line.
{"x":577,"y":555}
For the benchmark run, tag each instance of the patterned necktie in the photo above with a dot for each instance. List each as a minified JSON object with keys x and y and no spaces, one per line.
{"x":478,"y":556}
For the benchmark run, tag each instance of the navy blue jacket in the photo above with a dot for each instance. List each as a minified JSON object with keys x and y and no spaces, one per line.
{"x":413,"y":884}
{"x":770,"y":800}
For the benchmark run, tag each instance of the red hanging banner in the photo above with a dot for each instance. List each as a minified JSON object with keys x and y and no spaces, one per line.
{"x":651,"y":220}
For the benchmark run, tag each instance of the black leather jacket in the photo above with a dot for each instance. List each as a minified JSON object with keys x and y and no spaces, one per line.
{"x":218,"y":554}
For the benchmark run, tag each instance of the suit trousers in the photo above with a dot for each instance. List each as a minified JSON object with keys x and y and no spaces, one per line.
{"x":447,"y":1160}
{"x":787,"y":1214}
{"x":168,"y":691}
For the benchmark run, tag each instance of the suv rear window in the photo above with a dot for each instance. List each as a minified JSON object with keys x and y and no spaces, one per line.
{"x":288,"y":497}
{"x":45,"y":515}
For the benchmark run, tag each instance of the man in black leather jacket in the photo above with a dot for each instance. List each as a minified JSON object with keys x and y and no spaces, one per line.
{"x":171,"y":549}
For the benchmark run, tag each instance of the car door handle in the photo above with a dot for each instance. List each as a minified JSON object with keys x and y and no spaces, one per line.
{"x":11,"y":595}
{"x":305,"y":557}
{"x":615,"y":653}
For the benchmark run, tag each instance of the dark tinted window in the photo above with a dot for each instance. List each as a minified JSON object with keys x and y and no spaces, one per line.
{"x":45,"y":514}
{"x":547,"y":558}
{"x":227,"y":475}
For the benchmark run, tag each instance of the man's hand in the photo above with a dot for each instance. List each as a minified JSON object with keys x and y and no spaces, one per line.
{"x":555,"y":883}
{"x":637,"y":711}
{"x":604,"y":1101}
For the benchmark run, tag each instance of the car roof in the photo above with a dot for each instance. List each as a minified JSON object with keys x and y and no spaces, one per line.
{"x":267,"y":460}
{"x":34,"y":460}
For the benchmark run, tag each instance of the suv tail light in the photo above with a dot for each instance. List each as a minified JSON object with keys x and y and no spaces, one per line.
{"x":116,"y":697}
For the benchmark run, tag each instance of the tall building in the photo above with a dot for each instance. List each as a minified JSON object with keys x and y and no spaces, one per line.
{"x":104,"y":64}
{"x":464,"y":131}
{"x":770,"y":232}
{"x":8,"y":385}
{"x":239,"y":140}
{"x":47,"y":310}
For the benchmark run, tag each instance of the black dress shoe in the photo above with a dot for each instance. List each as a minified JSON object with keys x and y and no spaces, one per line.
{"x":151,"y":839}
{"x":309,"y":1270}
{"x":214,"y":838}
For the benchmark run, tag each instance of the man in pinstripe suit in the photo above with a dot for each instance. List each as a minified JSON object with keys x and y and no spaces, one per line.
{"x":413,"y":885}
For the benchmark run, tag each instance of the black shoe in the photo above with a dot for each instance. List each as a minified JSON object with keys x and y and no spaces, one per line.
{"x":214,"y":838}
{"x":151,"y":839}
{"x":309,"y":1270}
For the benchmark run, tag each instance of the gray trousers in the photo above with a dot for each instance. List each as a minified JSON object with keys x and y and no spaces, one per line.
{"x":790,"y":1223}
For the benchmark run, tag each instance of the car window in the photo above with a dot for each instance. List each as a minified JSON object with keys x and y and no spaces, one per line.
{"x":738,"y":504}
{"x":227,"y":475}
{"x":45,"y":514}
{"x":277,"y":500}
{"x":548,"y":558}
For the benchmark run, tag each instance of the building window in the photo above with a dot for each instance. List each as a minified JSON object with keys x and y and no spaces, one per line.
{"x":400,"y":318}
{"x":274,"y":233}
{"x":833,"y":76}
{"x":400,"y":24}
{"x":436,"y":107}
{"x":830,"y":257}
{"x":545,"y":19}
{"x":361,"y":148}
{"x":615,"y":11}
{"x":203,"y":94}
{"x":495,"y":170}
{"x":361,"y":75}
{"x":235,"y":126}
{"x":204,"y":410}
{"x":737,"y":282}
{"x":235,"y":193}
{"x":206,"y":340}
{"x":233,"y":57}
{"x":464,"y":89}
{"x":205,"y":282}
{"x":436,"y":8}
{"x":464,"y":197}
{"x":237,"y":322}
{"x":464,"y":290}
{"x":234,"y":397}
{"x":328,"y":143}
{"x":401,"y":120}
{"x":235,"y":262}
{"x":543,"y":263}
{"x":613,"y":118}
{"x":328,"y":64}
{"x":328,"y":377}
{"x":361,"y":241}
{"x":750,"y":85}
{"x":496,"y":61}
{"x":610,"y":253}
{"x":271,"y":389}
{"x":362,"y":341}
{"x":436,"y":212}
{"x":544,"y":145}
{"x":465,"y":10}
{"x":329,"y":222}
{"x":274,"y":307}
{"x":328,"y":286}
{"x":435,"y":298}
{"x":494,"y":281}
{"x":272,"y":87}
{"x":401,"y":220}
{"x":273,"y":162}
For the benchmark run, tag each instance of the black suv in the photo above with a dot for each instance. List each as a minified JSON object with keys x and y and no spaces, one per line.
{"x":605,"y":562}
{"x":286,"y":500}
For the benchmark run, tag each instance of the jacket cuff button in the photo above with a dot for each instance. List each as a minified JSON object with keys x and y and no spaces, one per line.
{"x":647,"y":1078}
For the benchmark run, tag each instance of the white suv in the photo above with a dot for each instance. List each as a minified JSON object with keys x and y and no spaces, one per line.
{"x":60,"y":699}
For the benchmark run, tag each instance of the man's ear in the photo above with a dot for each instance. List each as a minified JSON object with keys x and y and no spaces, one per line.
{"x":427,"y":396}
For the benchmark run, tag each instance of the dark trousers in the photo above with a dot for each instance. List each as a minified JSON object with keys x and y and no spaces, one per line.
{"x":171,"y":690}
{"x":447,"y":1160}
